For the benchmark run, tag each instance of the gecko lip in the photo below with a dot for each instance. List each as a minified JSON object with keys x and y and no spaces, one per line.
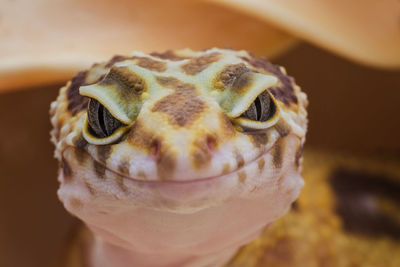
{"x":201,"y":179}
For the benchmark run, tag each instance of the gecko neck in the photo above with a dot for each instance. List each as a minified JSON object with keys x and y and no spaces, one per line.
{"x":104,"y":254}
{"x":178,"y":245}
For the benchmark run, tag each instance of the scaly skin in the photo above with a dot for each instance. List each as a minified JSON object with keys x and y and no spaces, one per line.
{"x":186,"y":179}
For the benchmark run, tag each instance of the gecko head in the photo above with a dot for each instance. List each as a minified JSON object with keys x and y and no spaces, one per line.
{"x":181,"y":117}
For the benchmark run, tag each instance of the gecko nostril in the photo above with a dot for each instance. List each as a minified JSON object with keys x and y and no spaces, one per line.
{"x":155,"y":147}
{"x":202,"y":150}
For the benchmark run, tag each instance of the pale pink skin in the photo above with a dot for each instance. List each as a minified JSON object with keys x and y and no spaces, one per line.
{"x":193,"y":223}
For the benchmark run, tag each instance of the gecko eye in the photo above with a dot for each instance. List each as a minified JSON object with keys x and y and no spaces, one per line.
{"x":261,"y":114}
{"x":261,"y":109}
{"x":101,"y":123}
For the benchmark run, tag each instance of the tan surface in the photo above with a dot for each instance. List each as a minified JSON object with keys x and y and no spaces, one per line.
{"x":47,"y":41}
{"x":367,"y":31}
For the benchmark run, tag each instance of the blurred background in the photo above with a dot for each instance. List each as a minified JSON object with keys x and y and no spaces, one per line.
{"x":349,"y":70}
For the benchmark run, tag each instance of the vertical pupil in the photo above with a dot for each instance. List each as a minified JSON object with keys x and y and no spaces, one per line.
{"x":258,"y":105}
{"x":101,"y":122}
{"x":101,"y":119}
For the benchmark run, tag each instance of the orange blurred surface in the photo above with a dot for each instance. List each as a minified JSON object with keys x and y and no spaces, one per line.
{"x":46,"y":41}
{"x":65,"y":36}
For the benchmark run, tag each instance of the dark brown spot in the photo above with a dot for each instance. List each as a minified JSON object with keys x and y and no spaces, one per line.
{"x":120,"y":182}
{"x":253,"y":189}
{"x":182,"y":107}
{"x":115,"y":59}
{"x":142,"y":175}
{"x":297,"y":158}
{"x":201,"y":154}
{"x":242,"y":176}
{"x":75,"y":203}
{"x":170,"y":82}
{"x":280,"y":94}
{"x":89,"y":186}
{"x":198,"y":64}
{"x":359,"y":195}
{"x":81,"y":155}
{"x":103,"y":153}
{"x":165,"y":165}
{"x":277,"y":155}
{"x":80,"y":148}
{"x":280,"y":180}
{"x":242,"y":82}
{"x":231,"y":77}
{"x":239,"y":160}
{"x":283,"y":128}
{"x":76,"y":102}
{"x":284,"y":92}
{"x":128,"y":83}
{"x":262,"y":64}
{"x":100,"y":169}
{"x":169,"y":55}
{"x":66,"y":169}
{"x":123,"y":167}
{"x":226,"y":168}
{"x":261,"y":164}
{"x":226,"y":125}
{"x":144,"y":62}
{"x":80,"y":142}
{"x":259,"y":139}
{"x":151,"y":64}
{"x":140,"y":137}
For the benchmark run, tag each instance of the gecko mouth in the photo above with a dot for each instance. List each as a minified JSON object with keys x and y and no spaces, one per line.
{"x":101,"y":165}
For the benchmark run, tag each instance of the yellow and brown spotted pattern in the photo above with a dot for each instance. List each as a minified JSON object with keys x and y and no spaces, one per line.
{"x":179,"y":113}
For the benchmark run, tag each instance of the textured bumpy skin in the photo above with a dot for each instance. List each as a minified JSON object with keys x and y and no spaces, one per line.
{"x":185,"y":179}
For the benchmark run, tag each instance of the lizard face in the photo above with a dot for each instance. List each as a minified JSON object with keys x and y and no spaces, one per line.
{"x":179,"y":131}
